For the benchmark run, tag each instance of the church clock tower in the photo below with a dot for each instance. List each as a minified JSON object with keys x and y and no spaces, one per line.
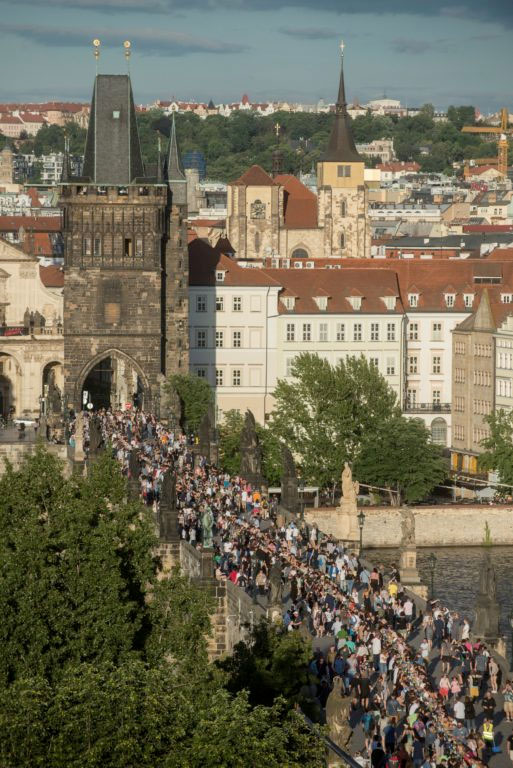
{"x":342,"y":195}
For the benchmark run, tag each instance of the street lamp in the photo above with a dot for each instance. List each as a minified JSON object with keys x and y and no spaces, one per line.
{"x":511,"y":655}
{"x":432,"y":566}
{"x":361,"y":522}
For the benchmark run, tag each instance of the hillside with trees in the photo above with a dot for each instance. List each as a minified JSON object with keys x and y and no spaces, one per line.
{"x":232,"y":144}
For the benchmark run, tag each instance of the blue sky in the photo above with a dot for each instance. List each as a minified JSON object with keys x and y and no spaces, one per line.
{"x":439,"y":51}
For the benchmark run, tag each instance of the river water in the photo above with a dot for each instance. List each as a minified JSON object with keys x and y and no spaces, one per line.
{"x":456,"y":576}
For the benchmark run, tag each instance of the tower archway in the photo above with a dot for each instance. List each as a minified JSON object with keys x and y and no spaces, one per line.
{"x":113,"y":380}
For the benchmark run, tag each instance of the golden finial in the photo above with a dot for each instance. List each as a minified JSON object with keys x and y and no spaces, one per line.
{"x":96,"y":44}
{"x":127,"y":45}
{"x":277,"y":130}
{"x":342,"y":46}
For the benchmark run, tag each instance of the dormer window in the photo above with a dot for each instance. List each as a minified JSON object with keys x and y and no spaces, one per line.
{"x":413,"y":299}
{"x":220,"y":273}
{"x":289,"y":302}
{"x":507,"y":298}
{"x":468,"y":299}
{"x":355,"y":301}
{"x":389,"y":302}
{"x":449,"y":299}
{"x":322,"y":302}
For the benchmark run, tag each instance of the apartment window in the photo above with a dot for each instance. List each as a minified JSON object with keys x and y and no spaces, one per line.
{"x":237,"y":304}
{"x":236,"y":377}
{"x":459,"y":347}
{"x":437,"y":396}
{"x":412,"y":364}
{"x":374,"y":361}
{"x":307,"y":332}
{"x":323,"y":332}
{"x":341,"y":332}
{"x":290,"y":334}
{"x":201,"y":303}
{"x":413,"y":331}
{"x":219,"y":377}
{"x":459,"y":404}
{"x":343,"y":171}
{"x":436,"y":364}
{"x":237,"y":339}
{"x":357,"y":332}
{"x":219,"y":338}
{"x":449,"y":299}
{"x":219,"y":303}
{"x":288,"y":366}
{"x":459,"y":432}
{"x":201,"y":338}
{"x":436,"y":331}
{"x":390,"y":366}
{"x":411,"y":397}
{"x":374,"y":333}
{"x":390,"y":331}
{"x":201,"y":373}
{"x":413,"y":299}
{"x":459,"y":375}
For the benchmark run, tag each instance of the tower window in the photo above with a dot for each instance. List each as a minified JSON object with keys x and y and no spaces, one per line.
{"x":257,"y":241}
{"x":97,"y":245}
{"x":139,"y":247}
{"x":128,"y":248}
{"x":343,"y":171}
{"x":299,"y":253}
{"x":86,"y":246}
{"x":342,"y":239}
{"x":343,"y":208}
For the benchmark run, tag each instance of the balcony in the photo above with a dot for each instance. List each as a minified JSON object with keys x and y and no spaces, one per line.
{"x":14,"y":331}
{"x":427,"y":408}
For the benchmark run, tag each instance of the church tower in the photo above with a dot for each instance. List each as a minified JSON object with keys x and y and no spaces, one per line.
{"x":118,"y":296}
{"x":342,"y":195}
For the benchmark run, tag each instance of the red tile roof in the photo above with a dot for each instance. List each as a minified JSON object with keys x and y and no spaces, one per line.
{"x":52,"y":276}
{"x":38,"y":244}
{"x":487,"y":228}
{"x":205,"y":260}
{"x":34,"y":197}
{"x":10,"y":120}
{"x":300,"y":203}
{"x":254,"y":177}
{"x":33,"y":223}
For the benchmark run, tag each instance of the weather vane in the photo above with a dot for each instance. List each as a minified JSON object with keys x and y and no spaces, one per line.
{"x":342,"y":46}
{"x":127,"y":45}
{"x":96,"y":44}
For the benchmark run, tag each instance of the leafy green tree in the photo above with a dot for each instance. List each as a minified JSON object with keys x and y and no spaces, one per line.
{"x":324,"y":412}
{"x":460,"y":116}
{"x":399,"y":455}
{"x":498,"y":453}
{"x":230,"y":431}
{"x":101,"y":663}
{"x":195,"y":396}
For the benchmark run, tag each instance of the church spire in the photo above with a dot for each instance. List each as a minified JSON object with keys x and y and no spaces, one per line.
{"x":66,"y":171}
{"x":174,"y":170}
{"x":341,"y":146}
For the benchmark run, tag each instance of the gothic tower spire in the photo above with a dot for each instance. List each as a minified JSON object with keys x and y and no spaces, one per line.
{"x":175,"y":175}
{"x":341,"y":146}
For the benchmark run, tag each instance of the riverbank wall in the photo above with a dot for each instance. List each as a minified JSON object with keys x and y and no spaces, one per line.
{"x":450,"y":525}
{"x":15,"y":453}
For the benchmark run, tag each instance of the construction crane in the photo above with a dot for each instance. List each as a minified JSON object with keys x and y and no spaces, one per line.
{"x":504,"y":131}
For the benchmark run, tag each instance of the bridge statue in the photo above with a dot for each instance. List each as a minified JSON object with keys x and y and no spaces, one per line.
{"x":338,"y":710}
{"x":289,"y":482}
{"x":168,"y":523}
{"x":251,"y":452}
{"x":207,"y":524}
{"x":486,"y":625}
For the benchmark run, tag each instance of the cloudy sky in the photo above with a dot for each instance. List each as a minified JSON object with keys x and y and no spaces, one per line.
{"x":439,"y":51}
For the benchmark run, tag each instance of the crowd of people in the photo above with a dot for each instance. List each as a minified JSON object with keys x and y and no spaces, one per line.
{"x":420,"y":687}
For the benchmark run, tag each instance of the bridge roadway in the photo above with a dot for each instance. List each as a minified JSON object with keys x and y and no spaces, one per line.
{"x":409,"y":671}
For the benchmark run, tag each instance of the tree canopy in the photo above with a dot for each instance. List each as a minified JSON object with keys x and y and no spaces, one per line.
{"x":195,"y":397}
{"x":331,"y":414}
{"x":498,"y":453}
{"x":102,"y":663}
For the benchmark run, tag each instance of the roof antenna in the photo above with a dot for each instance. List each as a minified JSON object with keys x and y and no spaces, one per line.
{"x":127,"y":45}
{"x":96,"y":52}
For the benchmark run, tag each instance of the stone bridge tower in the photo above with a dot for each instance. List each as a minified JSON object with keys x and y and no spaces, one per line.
{"x":118,"y":295}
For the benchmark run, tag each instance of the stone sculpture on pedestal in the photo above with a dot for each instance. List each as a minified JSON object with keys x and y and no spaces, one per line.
{"x":338,"y":710}
{"x":207,"y":524}
{"x":409,"y":574}
{"x":276,"y":592}
{"x":486,"y":625}
{"x":251,"y":452}
{"x":134,"y":488}
{"x":168,"y":529}
{"x":289,"y":483}
{"x":95,"y":437}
